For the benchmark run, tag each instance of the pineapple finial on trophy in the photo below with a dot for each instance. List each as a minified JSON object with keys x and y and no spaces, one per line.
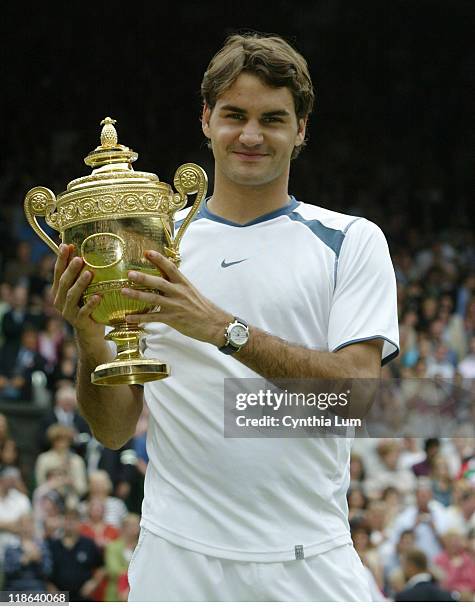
{"x":108,"y":133}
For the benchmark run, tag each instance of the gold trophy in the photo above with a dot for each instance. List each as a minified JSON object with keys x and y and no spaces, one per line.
{"x":111,"y":217}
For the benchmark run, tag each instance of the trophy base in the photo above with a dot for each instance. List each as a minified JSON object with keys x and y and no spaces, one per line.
{"x":129,"y":372}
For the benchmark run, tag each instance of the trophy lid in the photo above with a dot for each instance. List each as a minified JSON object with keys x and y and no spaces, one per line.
{"x":109,"y":152}
{"x":111,"y":162}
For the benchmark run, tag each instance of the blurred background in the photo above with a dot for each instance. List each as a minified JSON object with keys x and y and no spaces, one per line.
{"x":389,"y":140}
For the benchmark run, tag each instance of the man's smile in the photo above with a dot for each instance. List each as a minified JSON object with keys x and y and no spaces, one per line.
{"x":250,"y":156}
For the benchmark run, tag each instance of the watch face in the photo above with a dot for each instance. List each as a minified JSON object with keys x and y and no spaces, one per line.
{"x":238,"y":334}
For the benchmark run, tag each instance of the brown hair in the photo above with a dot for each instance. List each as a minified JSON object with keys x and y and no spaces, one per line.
{"x":418,"y":558}
{"x":270,"y":58}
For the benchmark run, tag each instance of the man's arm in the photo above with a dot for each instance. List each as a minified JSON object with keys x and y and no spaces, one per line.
{"x":272,"y":357}
{"x":111,"y":412}
{"x":189,"y":312}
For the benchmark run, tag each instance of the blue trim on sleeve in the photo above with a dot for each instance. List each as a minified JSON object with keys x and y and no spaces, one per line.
{"x":331,"y":237}
{"x":384,"y":361}
{"x":284,"y":210}
{"x":335,"y":269}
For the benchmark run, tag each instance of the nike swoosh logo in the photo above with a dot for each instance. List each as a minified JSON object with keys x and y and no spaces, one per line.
{"x":231,"y":263}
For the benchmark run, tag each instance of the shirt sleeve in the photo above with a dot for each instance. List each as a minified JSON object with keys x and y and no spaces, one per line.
{"x":364,"y":304}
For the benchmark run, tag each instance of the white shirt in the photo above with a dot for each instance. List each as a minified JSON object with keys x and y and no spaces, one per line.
{"x":313,"y":277}
{"x":14,"y":505}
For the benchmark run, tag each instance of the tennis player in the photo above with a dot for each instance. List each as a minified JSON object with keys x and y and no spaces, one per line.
{"x":269,"y":287}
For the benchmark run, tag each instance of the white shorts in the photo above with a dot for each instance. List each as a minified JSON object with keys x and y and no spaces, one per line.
{"x":162,"y":571}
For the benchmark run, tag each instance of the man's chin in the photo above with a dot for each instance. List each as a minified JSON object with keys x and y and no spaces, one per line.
{"x":249,"y":179}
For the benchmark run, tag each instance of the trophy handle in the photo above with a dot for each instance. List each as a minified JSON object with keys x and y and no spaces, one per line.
{"x":40,"y":202}
{"x":189,"y":179}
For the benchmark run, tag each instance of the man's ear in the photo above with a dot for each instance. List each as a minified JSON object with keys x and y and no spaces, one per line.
{"x":302,"y":127}
{"x":205,"y":115}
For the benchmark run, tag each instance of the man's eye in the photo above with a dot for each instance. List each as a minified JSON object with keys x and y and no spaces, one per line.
{"x":272,"y":120}
{"x":235,"y":116}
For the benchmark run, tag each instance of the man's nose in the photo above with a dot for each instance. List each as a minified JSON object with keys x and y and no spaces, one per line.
{"x":251,"y":134}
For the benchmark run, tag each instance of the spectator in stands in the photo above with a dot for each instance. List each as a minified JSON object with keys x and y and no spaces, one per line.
{"x":431,"y":449}
{"x":469,"y":320}
{"x":10,"y":457}
{"x":65,"y":413}
{"x":462,"y":512}
{"x":119,"y":464}
{"x":19,"y":268}
{"x":16,"y":371}
{"x":64,"y":374}
{"x":42,"y":276}
{"x":392,"y":499}
{"x":95,"y":527}
{"x":61,"y":438}
{"x":51,"y":498}
{"x":427,"y":518}
{"x":357,"y":471}
{"x":77,"y":561}
{"x":101,"y":533}
{"x":456,"y":565}
{"x":420,"y":585}
{"x":50,"y":340}
{"x":13,"y":505}
{"x":388,"y":471}
{"x":393,"y":572}
{"x":357,"y":503}
{"x":408,"y":334}
{"x":27,"y":563}
{"x":411,"y":453}
{"x":441,"y":480}
{"x":361,"y":536}
{"x":118,"y":555}
{"x":4,"y":431}
{"x":14,"y":322}
{"x":100,"y":488}
{"x":466,"y":367}
{"x":5,"y":305}
{"x":377,"y":520}
{"x":440,"y":365}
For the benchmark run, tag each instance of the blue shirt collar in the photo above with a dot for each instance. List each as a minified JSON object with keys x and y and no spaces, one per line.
{"x":284,"y":210}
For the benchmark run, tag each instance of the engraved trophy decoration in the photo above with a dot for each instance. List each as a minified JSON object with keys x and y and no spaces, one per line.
{"x":111,"y":217}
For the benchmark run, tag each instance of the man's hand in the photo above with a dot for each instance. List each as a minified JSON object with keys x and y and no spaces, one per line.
{"x":70,"y":281}
{"x":181,"y":305}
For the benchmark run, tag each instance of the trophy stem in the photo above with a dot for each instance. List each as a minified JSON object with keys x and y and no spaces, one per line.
{"x":126,"y":338}
{"x":129,"y":367}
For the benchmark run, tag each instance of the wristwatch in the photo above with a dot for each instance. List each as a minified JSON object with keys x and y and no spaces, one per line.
{"x":236,"y":334}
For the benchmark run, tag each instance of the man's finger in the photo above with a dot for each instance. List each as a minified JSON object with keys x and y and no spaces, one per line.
{"x":150,"y":317}
{"x":166,"y":265}
{"x":89,"y":307}
{"x":155,"y":282}
{"x":73,"y":296}
{"x":67,"y":280}
{"x":144,"y":296}
{"x":60,"y":265}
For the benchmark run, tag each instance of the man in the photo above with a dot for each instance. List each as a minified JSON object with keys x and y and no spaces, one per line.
{"x":246,"y":519}
{"x":65,"y":412}
{"x":76,"y":561}
{"x":428,"y":519}
{"x":431,"y":448}
{"x":420,"y":585}
{"x":16,"y":373}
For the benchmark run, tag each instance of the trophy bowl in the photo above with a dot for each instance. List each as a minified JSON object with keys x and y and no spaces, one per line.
{"x":111,"y":217}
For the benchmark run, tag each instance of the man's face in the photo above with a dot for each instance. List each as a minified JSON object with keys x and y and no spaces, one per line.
{"x":253,"y":130}
{"x":71,"y":524}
